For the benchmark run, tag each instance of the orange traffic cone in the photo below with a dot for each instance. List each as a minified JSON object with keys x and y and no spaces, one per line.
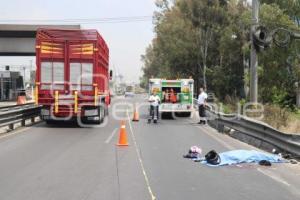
{"x":135,"y":115}
{"x":21,"y":100}
{"x":123,"y":136}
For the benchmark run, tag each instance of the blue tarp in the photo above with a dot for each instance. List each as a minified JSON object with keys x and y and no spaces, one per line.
{"x":246,"y":156}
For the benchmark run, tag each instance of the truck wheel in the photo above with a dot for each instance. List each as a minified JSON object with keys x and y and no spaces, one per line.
{"x":187,"y":114}
{"x":106,"y":111}
{"x":167,"y":115}
{"x":101,"y":114}
{"x":183,"y":114}
{"x":50,"y":122}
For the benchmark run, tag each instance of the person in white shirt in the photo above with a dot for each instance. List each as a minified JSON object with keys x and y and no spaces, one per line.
{"x":154,"y":100}
{"x":202,"y":99}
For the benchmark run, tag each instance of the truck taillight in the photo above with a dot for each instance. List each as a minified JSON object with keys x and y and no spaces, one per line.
{"x":56,"y":102}
{"x":96,"y":96}
{"x":36,"y":93}
{"x":75,"y":101}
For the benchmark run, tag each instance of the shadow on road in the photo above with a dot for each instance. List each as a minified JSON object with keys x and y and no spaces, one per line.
{"x":59,"y":124}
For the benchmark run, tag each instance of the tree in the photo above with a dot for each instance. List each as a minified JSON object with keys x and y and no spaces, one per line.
{"x":289,"y":7}
{"x":210,"y":40}
{"x":206,"y":17}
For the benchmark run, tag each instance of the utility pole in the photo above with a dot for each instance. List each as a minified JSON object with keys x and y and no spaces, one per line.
{"x":254,"y":61}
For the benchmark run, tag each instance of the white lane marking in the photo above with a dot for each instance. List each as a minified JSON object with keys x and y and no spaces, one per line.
{"x":111,"y":136}
{"x":140,"y":159}
{"x":272,"y":176}
{"x":14,"y":132}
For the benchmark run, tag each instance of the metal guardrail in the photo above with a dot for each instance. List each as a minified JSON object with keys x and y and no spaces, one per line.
{"x":10,"y":115}
{"x":15,"y":107}
{"x":286,"y":142}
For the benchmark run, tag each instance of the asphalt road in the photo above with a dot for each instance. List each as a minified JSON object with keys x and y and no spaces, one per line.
{"x":65,"y":162}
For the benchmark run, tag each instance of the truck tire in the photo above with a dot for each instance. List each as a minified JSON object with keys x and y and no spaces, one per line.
{"x":183,"y":114}
{"x":50,"y":122}
{"x":97,"y":122}
{"x":106,"y":111}
{"x":187,"y":114}
{"x":167,"y":115}
{"x":101,"y":114}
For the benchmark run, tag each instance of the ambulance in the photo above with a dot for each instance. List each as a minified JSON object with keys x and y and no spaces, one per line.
{"x":176,"y":95}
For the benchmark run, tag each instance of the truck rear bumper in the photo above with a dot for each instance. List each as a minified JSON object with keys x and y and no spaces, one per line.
{"x":83,"y":118}
{"x":89,"y":113}
{"x":169,"y":107}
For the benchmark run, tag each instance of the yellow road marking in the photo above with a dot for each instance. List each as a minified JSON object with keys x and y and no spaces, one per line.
{"x":140,"y":160}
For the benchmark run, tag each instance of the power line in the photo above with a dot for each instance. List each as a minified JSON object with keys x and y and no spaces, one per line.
{"x":82,"y":20}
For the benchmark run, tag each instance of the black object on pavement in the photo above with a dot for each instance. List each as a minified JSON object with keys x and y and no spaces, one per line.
{"x":293,"y":161}
{"x":265,"y":163}
{"x":213,"y":158}
{"x":191,"y":155}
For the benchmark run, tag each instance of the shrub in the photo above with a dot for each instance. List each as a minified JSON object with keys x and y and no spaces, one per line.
{"x":276,"y":116}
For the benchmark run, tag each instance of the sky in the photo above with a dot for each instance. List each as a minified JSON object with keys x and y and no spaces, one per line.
{"x":126,"y":41}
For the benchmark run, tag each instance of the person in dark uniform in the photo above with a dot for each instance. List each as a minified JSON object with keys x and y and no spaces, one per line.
{"x":202,"y":100}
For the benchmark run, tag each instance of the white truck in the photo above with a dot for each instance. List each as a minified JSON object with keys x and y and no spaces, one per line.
{"x":176,"y":95}
{"x":129,"y":91}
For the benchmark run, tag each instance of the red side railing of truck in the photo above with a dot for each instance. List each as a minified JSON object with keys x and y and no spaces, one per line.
{"x":72,"y":69}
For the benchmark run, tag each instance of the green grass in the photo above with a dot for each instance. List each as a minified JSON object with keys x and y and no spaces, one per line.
{"x":296,"y":114}
{"x":227,"y":109}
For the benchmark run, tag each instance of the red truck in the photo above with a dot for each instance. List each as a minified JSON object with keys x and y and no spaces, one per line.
{"x":72,"y":76}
